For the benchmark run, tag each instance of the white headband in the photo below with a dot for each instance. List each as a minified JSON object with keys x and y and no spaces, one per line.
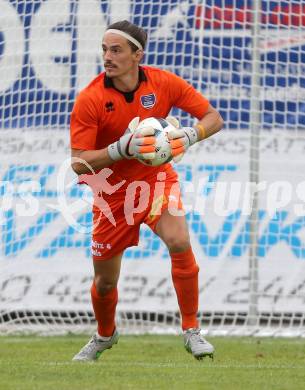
{"x":125,"y":35}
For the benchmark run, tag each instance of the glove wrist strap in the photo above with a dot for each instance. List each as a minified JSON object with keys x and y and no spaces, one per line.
{"x":192,"y":134}
{"x":114,"y":151}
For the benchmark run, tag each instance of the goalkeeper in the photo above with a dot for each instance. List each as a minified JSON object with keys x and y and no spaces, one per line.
{"x":101,"y":114}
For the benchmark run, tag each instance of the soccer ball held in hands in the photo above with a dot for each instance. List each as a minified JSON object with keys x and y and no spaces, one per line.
{"x":163,"y":148}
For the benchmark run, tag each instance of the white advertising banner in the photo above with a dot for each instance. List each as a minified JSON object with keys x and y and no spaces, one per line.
{"x":45,"y":242}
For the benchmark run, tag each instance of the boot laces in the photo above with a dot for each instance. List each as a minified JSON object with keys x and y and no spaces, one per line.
{"x":196,"y":336}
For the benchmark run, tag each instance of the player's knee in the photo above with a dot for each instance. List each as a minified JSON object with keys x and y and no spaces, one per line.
{"x":104,"y":285}
{"x":178,"y":243}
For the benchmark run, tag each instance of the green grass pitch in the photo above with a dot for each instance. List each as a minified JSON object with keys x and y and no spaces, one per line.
{"x":151,"y":362}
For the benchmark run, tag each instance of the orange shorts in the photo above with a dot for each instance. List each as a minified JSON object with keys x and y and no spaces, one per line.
{"x":117,"y":227}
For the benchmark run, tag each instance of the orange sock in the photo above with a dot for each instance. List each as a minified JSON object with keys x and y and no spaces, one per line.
{"x":185,"y":278}
{"x":104,"y":310}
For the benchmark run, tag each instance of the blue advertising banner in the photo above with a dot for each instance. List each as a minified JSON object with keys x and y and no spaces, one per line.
{"x":49,"y":50}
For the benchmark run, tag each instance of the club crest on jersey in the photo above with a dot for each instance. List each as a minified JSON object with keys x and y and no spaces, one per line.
{"x":148,"y":101}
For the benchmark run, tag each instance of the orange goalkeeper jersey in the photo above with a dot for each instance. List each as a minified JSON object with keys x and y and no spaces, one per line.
{"x":101,"y":113}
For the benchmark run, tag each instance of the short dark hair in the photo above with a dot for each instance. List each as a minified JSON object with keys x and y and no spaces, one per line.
{"x":136,"y":32}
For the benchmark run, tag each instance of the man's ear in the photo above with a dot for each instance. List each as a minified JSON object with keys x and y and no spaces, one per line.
{"x":139,"y":55}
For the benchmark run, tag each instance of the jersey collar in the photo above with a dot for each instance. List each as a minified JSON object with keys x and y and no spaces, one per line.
{"x":129,"y":96}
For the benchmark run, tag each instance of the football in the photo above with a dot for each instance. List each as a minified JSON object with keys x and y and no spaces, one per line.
{"x":163,"y":149}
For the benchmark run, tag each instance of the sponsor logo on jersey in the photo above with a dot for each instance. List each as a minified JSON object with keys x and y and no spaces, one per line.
{"x":148,"y":101}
